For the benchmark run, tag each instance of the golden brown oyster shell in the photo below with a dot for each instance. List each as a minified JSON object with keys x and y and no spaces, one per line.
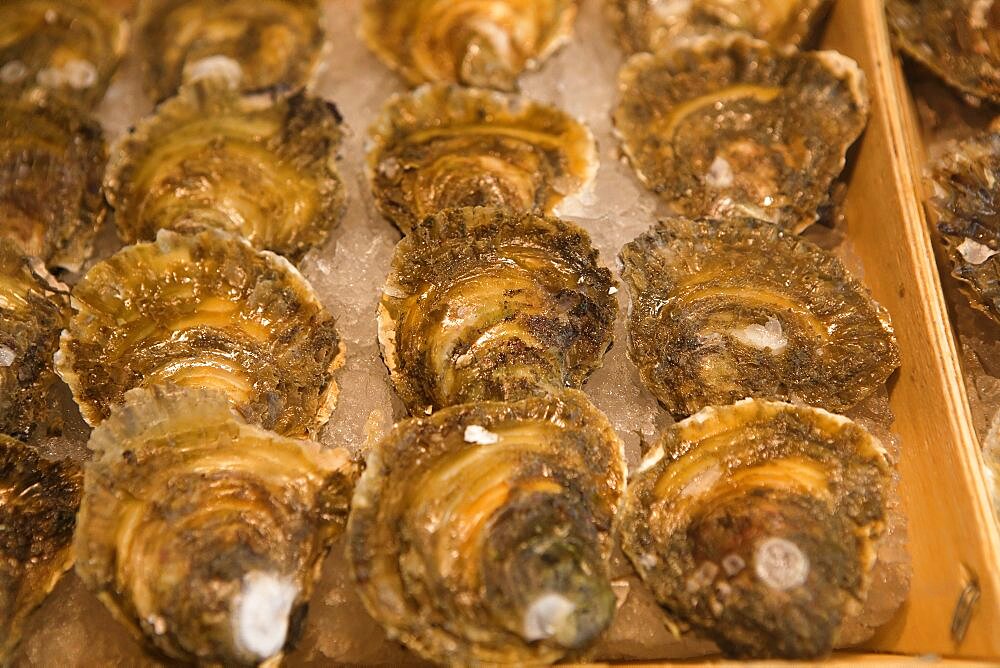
{"x":484,"y":43}
{"x":38,"y":503}
{"x":966,"y":203}
{"x":259,"y":44}
{"x":33,"y":311}
{"x":487,"y":304}
{"x":259,"y":165}
{"x":733,"y":126}
{"x":756,"y":524}
{"x":204,"y":310}
{"x":654,"y":25}
{"x":956,"y":39}
{"x":442,"y":146}
{"x":51,"y":162}
{"x":481,"y":534}
{"x":203,"y":533}
{"x":723,"y":310}
{"x":69,"y":48}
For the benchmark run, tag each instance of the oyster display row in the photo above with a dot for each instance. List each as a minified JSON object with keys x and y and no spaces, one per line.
{"x":260,"y":165}
{"x":488,"y":304}
{"x":445,"y":146}
{"x":484,"y":43}
{"x":203,"y":310}
{"x":731,"y":126}
{"x":204,"y":534}
{"x":481,"y":534}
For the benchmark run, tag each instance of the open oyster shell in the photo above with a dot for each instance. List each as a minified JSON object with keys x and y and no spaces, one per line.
{"x":487,"y":304}
{"x":733,"y":126}
{"x":654,"y":25}
{"x":33,"y":311}
{"x":484,"y":43}
{"x":481,"y":534}
{"x":37,"y":517}
{"x":965,"y":201}
{"x":204,"y":310}
{"x":257,"y":44}
{"x":723,"y":310}
{"x":51,"y":162}
{"x":260,"y":165}
{"x":956,"y":39}
{"x":756,"y":524}
{"x":69,"y":48}
{"x":441,"y":147}
{"x":205,"y":533}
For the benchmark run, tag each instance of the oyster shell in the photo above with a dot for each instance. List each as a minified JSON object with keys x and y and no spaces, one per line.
{"x":756,"y":524}
{"x":723,"y":310}
{"x":258,"y":44}
{"x":733,"y":126}
{"x":966,"y":203}
{"x":51,"y":163}
{"x":204,"y":310}
{"x":202,"y":532}
{"x":259,"y":165}
{"x":487,"y":304}
{"x":654,"y":25}
{"x":481,"y":534}
{"x":444,"y":146}
{"x":956,"y":39}
{"x":38,"y":502}
{"x":33,"y":311}
{"x":484,"y":43}
{"x":70,"y":48}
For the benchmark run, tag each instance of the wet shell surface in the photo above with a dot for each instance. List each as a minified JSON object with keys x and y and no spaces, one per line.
{"x":38,"y":503}
{"x":723,"y":310}
{"x":203,"y":533}
{"x":654,"y":25}
{"x":756,"y":525}
{"x":966,"y":203}
{"x":486,"y":304}
{"x":483,"y":43}
{"x":69,"y":48}
{"x":442,"y":147}
{"x":257,"y":44}
{"x":731,"y":126}
{"x":957,"y":40}
{"x":204,"y":310}
{"x":261,"y":165}
{"x":481,"y":534}
{"x":33,"y":311}
{"x":52,"y":159}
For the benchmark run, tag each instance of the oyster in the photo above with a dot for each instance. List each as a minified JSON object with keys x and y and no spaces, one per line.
{"x":33,"y":311}
{"x":258,"y":44}
{"x":445,"y":146}
{"x":69,"y":48}
{"x":956,"y":39}
{"x":654,"y":25}
{"x":756,"y":524}
{"x":205,"y":310}
{"x":481,"y":534}
{"x":733,"y":126}
{"x":487,"y":304}
{"x":51,"y":162}
{"x":202,"y":532}
{"x":38,"y":502}
{"x":966,"y":203}
{"x":259,"y":165}
{"x":723,"y":310}
{"x":485,"y":43}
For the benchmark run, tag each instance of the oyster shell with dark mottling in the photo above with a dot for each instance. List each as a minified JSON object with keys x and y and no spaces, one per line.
{"x":756,"y":524}
{"x":481,"y":534}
